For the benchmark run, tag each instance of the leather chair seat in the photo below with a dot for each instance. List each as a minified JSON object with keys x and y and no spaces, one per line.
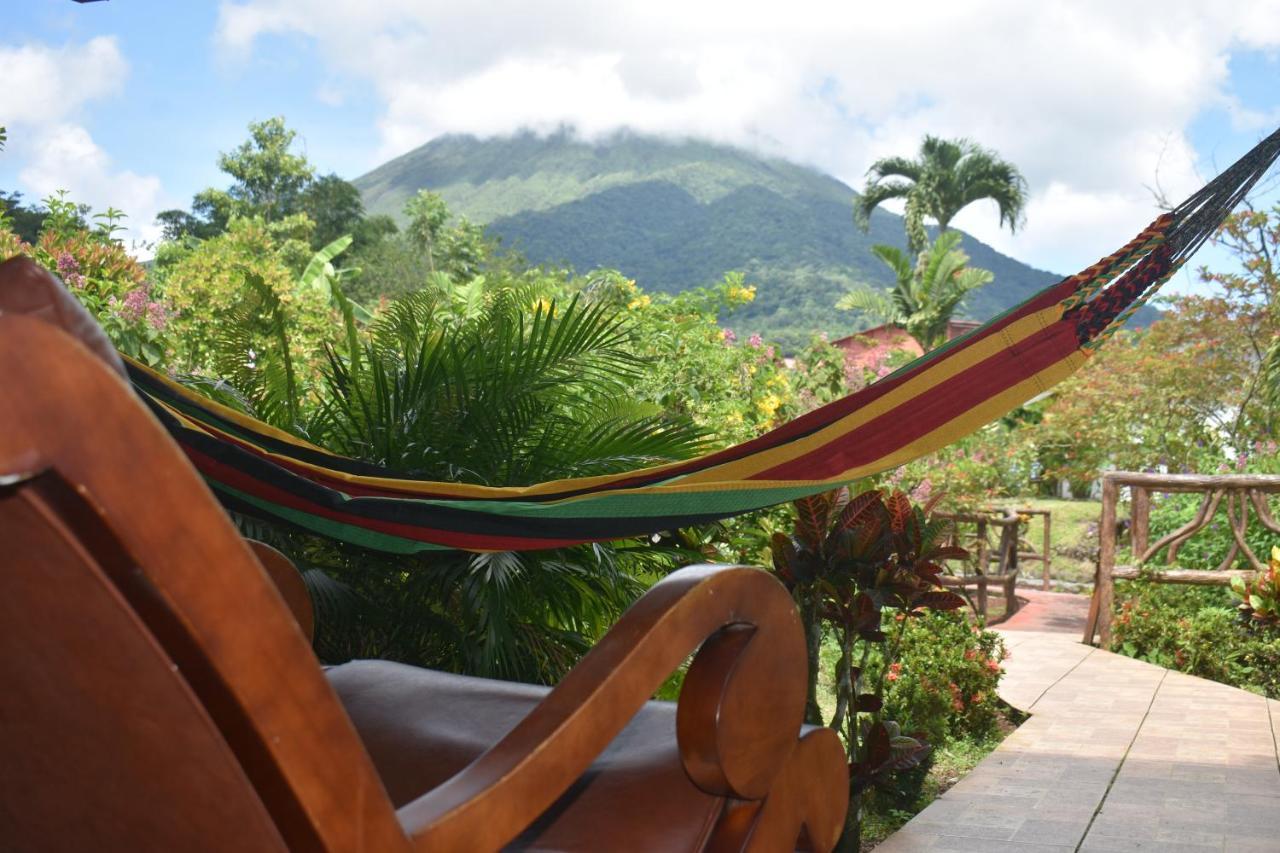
{"x":421,"y":727}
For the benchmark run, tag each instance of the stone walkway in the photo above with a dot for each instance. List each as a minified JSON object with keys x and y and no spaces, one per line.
{"x":1118,"y":756}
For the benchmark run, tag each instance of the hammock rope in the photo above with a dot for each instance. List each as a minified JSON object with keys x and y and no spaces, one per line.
{"x":935,"y":400}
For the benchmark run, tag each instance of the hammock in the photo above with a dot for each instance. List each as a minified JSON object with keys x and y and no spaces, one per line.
{"x":940,"y":397}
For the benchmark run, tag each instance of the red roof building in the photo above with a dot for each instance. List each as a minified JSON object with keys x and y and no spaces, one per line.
{"x":869,"y":349}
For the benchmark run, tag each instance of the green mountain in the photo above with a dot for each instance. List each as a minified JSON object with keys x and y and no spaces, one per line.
{"x":678,"y":214}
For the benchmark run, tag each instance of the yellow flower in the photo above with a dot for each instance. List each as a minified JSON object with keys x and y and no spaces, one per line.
{"x":768,"y":404}
{"x":641,"y":301}
{"x":779,"y":380}
{"x":733,"y":418}
{"x":751,"y":370}
{"x":742,"y":294}
{"x":541,"y":304}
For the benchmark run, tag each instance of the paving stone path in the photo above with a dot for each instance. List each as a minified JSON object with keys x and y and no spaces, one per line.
{"x":1118,"y":756}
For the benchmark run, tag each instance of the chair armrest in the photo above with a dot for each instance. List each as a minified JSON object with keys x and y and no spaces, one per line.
{"x":288,"y":582}
{"x":737,"y":721}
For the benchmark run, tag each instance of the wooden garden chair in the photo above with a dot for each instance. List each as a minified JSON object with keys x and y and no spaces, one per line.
{"x":160,"y":694}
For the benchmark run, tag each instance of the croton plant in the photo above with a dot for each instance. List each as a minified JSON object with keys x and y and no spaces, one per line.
{"x":1260,"y":597}
{"x":848,"y":561}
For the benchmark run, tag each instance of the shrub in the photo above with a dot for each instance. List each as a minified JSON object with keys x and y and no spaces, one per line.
{"x":944,"y":683}
{"x":1197,"y":631}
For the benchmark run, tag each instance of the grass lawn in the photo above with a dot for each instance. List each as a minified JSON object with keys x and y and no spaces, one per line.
{"x":1073,"y":535}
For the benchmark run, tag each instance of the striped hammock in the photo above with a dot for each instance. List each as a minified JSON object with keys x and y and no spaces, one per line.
{"x":933,"y":401}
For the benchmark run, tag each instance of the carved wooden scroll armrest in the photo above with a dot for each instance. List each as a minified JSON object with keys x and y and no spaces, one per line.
{"x":288,"y":582}
{"x":737,"y":721}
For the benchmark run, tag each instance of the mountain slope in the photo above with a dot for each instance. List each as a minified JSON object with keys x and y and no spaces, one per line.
{"x":678,"y":214}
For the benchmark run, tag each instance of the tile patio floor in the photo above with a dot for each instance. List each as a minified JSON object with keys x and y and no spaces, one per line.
{"x":1118,"y":756}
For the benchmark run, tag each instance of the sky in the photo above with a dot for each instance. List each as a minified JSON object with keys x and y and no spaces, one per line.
{"x":128,"y":103}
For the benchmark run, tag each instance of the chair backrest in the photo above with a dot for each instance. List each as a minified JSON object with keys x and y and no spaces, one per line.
{"x":157,"y":693}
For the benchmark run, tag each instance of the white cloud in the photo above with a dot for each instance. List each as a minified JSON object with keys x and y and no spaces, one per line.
{"x":65,"y":157}
{"x":43,"y":84}
{"x":44,"y":92}
{"x":1089,"y":97}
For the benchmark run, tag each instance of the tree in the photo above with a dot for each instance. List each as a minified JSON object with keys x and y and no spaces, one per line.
{"x":334,"y":205}
{"x":24,"y":221}
{"x":268,"y":180}
{"x":947,"y":176}
{"x":925,"y":297}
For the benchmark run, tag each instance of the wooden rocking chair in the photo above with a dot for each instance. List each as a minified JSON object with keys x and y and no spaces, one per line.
{"x":159,"y":694}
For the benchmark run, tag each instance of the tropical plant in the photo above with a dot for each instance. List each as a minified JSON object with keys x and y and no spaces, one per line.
{"x":216,"y":289}
{"x":1260,"y":597}
{"x":487,"y":382}
{"x":848,"y":561}
{"x":100,"y":274}
{"x":924,"y":297}
{"x":947,"y":176}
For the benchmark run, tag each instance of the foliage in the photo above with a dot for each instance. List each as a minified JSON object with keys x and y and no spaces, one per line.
{"x":101,"y":274}
{"x":1260,"y":597}
{"x":947,"y":176}
{"x":738,"y":388}
{"x":499,"y":388}
{"x":267,"y":178}
{"x":230,"y":292}
{"x":22,"y":221}
{"x":944,"y":683}
{"x":1197,"y":631}
{"x":923,"y":298}
{"x":454,"y":250}
{"x":487,"y":382}
{"x":848,"y":560}
{"x":335,"y":207}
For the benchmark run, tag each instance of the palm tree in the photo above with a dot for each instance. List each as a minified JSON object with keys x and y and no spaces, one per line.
{"x":924,"y":297}
{"x":488,"y":382}
{"x":947,"y":176}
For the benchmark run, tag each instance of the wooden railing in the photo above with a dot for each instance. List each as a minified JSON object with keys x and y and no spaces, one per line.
{"x":972,"y":531}
{"x":1027,"y":551}
{"x":1233,"y":494}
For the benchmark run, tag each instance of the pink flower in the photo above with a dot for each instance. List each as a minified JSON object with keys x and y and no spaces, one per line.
{"x":755,"y":341}
{"x":920,"y":494}
{"x":134,"y":306}
{"x":67,"y":265}
{"x":157,"y":316}
{"x":728,"y":336}
{"x":769,"y":351}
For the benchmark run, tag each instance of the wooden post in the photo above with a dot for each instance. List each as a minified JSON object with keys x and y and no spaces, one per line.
{"x":1105,"y":584}
{"x":1140,"y":518}
{"x":1047,"y":554}
{"x":983,"y":557}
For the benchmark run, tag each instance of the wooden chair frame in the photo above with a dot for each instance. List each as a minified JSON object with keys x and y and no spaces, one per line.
{"x":64,"y":413}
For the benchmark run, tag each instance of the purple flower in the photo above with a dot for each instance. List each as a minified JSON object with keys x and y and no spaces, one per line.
{"x":67,"y":265}
{"x":157,"y":316}
{"x":135,"y":304}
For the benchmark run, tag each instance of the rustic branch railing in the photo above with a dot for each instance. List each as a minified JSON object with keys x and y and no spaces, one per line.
{"x":1234,"y":494}
{"x":1005,"y":555}
{"x":1027,"y":551}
